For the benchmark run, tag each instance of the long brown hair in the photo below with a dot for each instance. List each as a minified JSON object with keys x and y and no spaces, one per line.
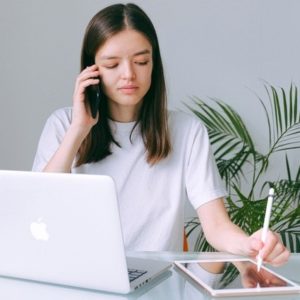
{"x":153,"y":113}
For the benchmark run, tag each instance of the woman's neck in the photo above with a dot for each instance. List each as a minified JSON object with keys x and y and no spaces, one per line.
{"x":123,"y":114}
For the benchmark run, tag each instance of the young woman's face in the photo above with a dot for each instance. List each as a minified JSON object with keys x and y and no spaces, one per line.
{"x":125,"y":65}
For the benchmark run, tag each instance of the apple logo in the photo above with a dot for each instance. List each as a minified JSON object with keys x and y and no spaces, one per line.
{"x":39,"y":230}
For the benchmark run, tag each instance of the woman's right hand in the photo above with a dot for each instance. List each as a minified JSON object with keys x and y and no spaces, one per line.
{"x":82,"y":122}
{"x":81,"y":117}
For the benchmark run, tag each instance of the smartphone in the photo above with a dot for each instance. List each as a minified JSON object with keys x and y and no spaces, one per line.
{"x":93,"y":95}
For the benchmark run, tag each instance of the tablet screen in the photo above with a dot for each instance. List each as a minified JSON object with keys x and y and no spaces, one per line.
{"x":234,"y":275}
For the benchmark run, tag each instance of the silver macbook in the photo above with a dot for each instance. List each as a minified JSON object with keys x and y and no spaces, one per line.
{"x":65,"y":229}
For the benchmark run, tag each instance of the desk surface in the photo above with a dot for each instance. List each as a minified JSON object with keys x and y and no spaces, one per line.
{"x":170,"y":285}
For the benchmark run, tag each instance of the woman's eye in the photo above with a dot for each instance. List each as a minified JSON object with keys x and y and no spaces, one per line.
{"x":142,"y":63}
{"x":111,"y":66}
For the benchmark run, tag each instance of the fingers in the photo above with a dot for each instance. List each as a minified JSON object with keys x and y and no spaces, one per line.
{"x":87,"y":77}
{"x":81,"y":114}
{"x":88,"y":72}
{"x":272,"y":251}
{"x":278,"y":256}
{"x":255,"y":246}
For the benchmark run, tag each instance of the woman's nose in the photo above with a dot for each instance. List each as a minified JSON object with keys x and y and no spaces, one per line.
{"x":128,"y":71}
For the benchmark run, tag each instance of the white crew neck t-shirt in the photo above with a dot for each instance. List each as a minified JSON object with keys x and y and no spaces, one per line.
{"x":151,"y":198}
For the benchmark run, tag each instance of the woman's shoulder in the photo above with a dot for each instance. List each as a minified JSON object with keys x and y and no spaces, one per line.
{"x":60,"y":119}
{"x":62,"y":115}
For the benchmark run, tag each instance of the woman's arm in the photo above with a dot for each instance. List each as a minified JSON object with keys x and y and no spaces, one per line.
{"x":223,"y":235}
{"x":63,"y":158}
{"x":81,"y":124}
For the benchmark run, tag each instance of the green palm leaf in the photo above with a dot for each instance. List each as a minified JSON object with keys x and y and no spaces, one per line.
{"x":291,"y":240}
{"x":285,"y":125}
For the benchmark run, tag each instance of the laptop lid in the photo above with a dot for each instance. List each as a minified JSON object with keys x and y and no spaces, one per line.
{"x":62,"y":228}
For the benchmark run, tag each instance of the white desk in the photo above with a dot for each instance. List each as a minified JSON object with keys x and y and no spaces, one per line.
{"x":171,"y":285}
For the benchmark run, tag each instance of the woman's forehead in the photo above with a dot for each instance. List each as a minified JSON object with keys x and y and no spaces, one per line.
{"x":128,"y":42}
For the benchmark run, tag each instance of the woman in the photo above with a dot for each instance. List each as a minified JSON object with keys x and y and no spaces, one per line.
{"x":158,"y":159}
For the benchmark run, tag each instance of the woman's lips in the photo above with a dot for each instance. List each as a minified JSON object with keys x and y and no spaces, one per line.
{"x":128,"y":89}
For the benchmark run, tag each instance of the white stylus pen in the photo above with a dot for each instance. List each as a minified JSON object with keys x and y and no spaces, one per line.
{"x":266,"y":224}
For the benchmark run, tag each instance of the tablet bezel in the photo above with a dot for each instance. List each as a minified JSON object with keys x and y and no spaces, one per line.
{"x":293,"y":289}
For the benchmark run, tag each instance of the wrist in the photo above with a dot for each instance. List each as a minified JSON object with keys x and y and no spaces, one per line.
{"x":78,"y":131}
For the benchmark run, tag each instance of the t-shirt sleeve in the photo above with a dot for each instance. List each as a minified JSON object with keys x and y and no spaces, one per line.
{"x":203,"y":182}
{"x":51,"y":137}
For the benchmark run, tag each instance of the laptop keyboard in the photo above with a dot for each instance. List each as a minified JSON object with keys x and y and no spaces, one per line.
{"x":134,"y":274}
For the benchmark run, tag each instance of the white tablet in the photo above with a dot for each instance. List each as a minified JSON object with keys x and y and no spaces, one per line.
{"x":236,"y":277}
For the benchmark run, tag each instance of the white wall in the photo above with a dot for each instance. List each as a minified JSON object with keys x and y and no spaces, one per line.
{"x":217,"y":48}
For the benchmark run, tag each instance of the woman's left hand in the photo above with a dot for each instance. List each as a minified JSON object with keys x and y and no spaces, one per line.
{"x":272,"y":251}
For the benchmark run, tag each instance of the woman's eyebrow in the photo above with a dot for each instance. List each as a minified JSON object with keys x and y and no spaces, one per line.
{"x":143,"y":52}
{"x":146,"y":51}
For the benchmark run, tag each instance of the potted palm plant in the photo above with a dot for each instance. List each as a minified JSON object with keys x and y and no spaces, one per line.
{"x":237,"y":154}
